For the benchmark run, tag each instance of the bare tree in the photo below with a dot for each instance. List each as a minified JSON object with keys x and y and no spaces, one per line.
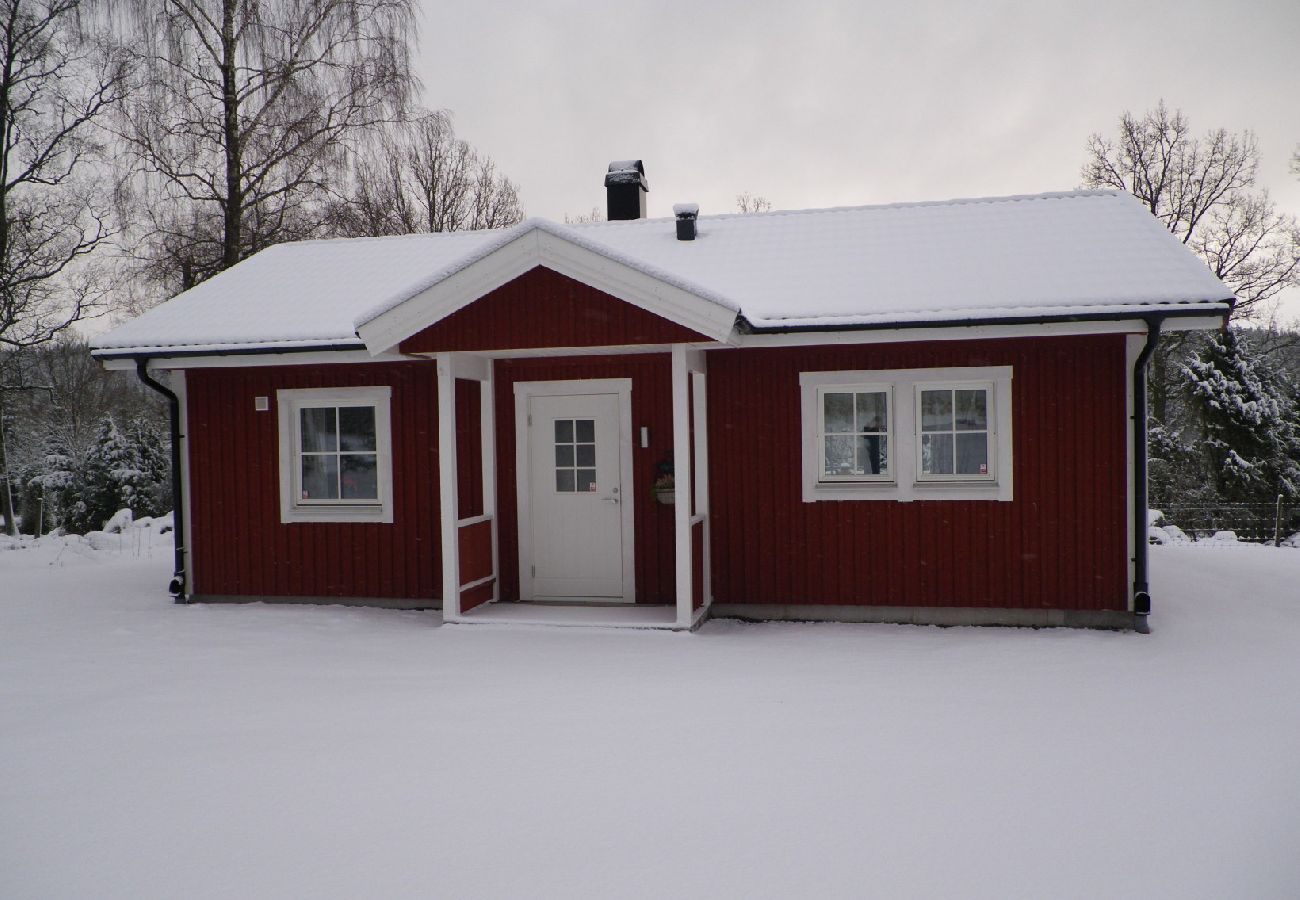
{"x":1203,"y":189}
{"x":417,"y":176}
{"x":752,"y":203}
{"x":584,"y":218}
{"x":243,"y":113}
{"x":56,"y":82}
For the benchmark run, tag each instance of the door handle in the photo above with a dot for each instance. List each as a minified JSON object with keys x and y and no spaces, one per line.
{"x":610,"y":499}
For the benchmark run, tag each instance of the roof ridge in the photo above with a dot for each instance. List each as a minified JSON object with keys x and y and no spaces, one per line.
{"x":905,"y":204}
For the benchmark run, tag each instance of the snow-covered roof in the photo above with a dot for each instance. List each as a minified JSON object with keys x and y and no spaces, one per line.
{"x":1063,"y":254}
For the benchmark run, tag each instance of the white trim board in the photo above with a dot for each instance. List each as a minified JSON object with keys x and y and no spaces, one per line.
{"x":524,"y":391}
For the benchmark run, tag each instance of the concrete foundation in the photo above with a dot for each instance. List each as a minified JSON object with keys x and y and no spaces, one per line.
{"x":378,"y":602}
{"x":1114,"y":620}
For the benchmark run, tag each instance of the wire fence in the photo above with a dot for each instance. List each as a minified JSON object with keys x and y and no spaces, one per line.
{"x":1259,"y":523}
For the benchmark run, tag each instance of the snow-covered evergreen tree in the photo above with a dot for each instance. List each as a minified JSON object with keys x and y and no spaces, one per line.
{"x":1250,"y":437}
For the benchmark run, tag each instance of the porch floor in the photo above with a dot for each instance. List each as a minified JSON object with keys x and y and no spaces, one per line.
{"x":626,"y":616}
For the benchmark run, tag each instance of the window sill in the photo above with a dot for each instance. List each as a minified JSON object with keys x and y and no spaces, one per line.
{"x":906,"y":493}
{"x":340,"y":513}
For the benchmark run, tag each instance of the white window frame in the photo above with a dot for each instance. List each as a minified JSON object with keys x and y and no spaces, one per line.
{"x":292,"y":507}
{"x":855,"y":388}
{"x":905,"y":484}
{"x":992,"y":430}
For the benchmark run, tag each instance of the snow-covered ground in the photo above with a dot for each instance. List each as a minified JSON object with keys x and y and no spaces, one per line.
{"x":156,"y":751}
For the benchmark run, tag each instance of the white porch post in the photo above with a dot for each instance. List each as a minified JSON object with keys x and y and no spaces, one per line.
{"x":488,"y":434}
{"x":448,"y":500}
{"x":685,"y":361}
{"x":699,"y":397}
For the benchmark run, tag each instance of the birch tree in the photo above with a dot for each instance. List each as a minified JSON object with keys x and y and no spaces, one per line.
{"x":242,"y":116}
{"x":56,"y":83}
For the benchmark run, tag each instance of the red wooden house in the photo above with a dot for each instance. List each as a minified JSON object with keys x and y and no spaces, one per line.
{"x":926,"y":412}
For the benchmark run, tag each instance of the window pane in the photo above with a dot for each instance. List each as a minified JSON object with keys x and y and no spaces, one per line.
{"x":356,"y":428}
{"x":564,"y":455}
{"x":838,"y":413}
{"x":936,"y":454}
{"x":936,"y":410}
{"x":564,"y":431}
{"x":873,"y":454}
{"x":872,"y":413}
{"x":586,"y":454}
{"x":360,"y":476}
{"x":586,"y":479}
{"x":973,"y":453}
{"x":584,"y":430}
{"x":564,"y":481}
{"x":972,"y":410}
{"x":839,"y":455}
{"x":318,"y":429}
{"x":320,"y":477}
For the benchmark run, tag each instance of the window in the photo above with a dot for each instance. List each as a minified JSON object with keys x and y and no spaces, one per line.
{"x":907,"y":434}
{"x":853,"y":432}
{"x":956,"y":436}
{"x":335,"y":457}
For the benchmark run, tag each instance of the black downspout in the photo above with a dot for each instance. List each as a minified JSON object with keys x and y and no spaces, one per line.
{"x":177,"y":587}
{"x":1141,"y":589}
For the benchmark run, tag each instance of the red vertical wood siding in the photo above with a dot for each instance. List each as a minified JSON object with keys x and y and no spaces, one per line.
{"x":475,"y":543}
{"x":469,"y":449}
{"x":652,"y":407}
{"x":697,"y":565}
{"x":1060,"y":544}
{"x":543,"y":308}
{"x":475,"y":596}
{"x":239,"y":545}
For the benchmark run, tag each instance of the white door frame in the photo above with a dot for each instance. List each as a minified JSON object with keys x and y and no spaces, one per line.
{"x":524,"y":391}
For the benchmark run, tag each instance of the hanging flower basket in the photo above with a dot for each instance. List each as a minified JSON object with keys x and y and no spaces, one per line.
{"x":664,"y":490}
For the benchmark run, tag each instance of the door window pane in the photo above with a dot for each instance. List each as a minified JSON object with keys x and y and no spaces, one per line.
{"x":575,"y":455}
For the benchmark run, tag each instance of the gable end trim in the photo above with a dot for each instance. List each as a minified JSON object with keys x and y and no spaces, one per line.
{"x":540,"y":248}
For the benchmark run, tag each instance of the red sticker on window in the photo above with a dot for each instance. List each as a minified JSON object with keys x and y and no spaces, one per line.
{"x":591,"y":486}
{"x":984,"y":468}
{"x":305,"y":496}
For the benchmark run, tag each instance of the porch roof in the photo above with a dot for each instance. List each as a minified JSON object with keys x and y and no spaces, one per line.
{"x":1084,"y":253}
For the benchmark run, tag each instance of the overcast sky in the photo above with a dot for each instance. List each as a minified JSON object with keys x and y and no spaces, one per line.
{"x":846,"y":103}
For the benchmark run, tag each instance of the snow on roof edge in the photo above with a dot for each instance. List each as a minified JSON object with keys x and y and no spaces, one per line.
{"x":1011,"y":314}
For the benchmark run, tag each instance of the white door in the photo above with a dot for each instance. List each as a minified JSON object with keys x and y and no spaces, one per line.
{"x":577,"y":491}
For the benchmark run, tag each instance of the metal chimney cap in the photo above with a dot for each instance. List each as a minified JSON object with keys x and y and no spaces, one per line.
{"x":627,"y":171}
